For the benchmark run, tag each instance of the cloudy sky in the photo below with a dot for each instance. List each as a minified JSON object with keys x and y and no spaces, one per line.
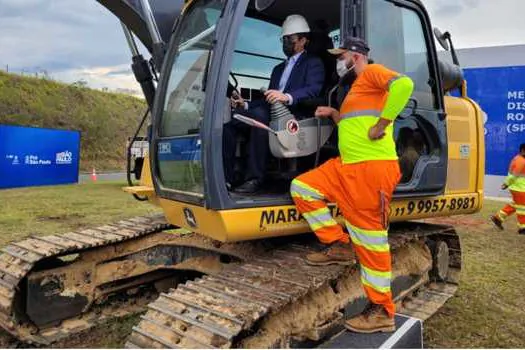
{"x":79,"y":39}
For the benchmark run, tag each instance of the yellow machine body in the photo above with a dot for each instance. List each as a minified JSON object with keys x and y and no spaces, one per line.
{"x":463,"y":194}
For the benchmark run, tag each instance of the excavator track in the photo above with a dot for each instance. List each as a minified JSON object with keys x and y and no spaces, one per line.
{"x":18,"y":259}
{"x":277,"y":300}
{"x":243,"y":295}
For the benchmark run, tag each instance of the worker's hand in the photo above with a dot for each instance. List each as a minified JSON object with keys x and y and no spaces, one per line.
{"x":325,"y":112}
{"x":377,"y":132}
{"x":236,"y":100}
{"x":504,"y":187}
{"x":273,"y":96}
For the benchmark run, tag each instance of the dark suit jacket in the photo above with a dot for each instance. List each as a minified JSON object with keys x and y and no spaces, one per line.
{"x":306,"y":81}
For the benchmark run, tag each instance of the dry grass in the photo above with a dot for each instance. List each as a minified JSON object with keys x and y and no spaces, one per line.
{"x":59,"y":209}
{"x":487,"y":312}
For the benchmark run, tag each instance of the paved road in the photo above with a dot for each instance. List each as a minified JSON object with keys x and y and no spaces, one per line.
{"x":86,"y":177}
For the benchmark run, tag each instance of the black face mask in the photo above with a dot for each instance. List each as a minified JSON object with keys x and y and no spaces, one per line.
{"x":288,"y":47}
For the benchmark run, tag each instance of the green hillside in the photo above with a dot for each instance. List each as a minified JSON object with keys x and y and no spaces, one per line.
{"x":105,"y":120}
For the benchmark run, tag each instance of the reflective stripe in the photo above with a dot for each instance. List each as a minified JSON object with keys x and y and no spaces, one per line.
{"x":377,"y":280}
{"x":378,"y":289}
{"x":302,"y":190}
{"x":520,"y":226}
{"x":376,"y":241}
{"x":503,"y":215}
{"x":377,"y":233}
{"x":520,"y":211}
{"x":319,"y":218}
{"x":362,"y":113}
{"x":391,"y":81}
{"x":517,"y":206}
{"x":515,"y":182}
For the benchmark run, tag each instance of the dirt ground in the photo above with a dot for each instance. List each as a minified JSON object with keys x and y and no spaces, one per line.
{"x":487,"y":311}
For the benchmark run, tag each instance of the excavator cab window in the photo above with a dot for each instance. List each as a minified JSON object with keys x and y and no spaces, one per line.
{"x":179,"y":143}
{"x":257,"y":51}
{"x":402,"y":44}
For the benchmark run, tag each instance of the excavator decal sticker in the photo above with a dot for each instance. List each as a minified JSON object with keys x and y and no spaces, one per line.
{"x":190,"y":217}
{"x":289,"y":216}
{"x":418,"y":207}
{"x":292,"y":126}
{"x":278,"y":218}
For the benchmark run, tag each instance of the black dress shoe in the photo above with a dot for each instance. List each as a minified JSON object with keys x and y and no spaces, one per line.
{"x":522,"y":231}
{"x":250,"y":186}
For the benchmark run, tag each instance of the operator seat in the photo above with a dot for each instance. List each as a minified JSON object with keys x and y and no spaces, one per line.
{"x":301,"y":139}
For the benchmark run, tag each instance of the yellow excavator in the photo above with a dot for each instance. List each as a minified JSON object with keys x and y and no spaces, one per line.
{"x":222,"y":269}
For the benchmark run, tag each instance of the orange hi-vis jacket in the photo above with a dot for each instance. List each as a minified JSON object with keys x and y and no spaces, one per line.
{"x":378,"y":92}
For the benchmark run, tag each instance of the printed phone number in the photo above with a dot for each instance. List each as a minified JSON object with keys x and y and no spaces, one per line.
{"x":436,"y":206}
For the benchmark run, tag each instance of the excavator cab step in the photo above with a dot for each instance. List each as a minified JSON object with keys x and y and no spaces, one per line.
{"x":408,"y":335}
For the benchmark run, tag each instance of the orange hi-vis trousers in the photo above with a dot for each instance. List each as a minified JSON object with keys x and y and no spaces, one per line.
{"x":517,"y":206}
{"x":363,"y":192}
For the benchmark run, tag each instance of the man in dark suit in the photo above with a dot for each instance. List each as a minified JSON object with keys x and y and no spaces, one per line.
{"x":300,"y":77}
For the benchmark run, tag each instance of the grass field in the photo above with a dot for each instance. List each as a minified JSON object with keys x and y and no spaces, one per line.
{"x":487,"y":312}
{"x":45,"y":210}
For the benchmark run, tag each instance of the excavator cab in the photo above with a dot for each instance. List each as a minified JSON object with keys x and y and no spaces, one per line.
{"x":219,"y":47}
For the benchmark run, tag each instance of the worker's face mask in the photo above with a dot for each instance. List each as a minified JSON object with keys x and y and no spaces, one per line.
{"x":288,"y":46}
{"x":344,"y":67}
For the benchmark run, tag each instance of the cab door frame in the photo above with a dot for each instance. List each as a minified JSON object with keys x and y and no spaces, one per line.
{"x":429,"y":177}
{"x":217,"y":196}
{"x":211,"y":103}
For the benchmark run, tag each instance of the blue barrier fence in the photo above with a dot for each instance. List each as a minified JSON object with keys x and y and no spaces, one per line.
{"x":500,"y":91}
{"x":36,"y":156}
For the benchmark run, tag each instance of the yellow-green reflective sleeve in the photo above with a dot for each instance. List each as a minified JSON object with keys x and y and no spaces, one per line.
{"x":399,"y":91}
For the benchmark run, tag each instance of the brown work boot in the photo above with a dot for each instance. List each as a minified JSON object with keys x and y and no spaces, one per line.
{"x":376,"y":320}
{"x":497,"y":221}
{"x":337,"y":253}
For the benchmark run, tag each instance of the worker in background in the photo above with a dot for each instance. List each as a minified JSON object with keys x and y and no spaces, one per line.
{"x":361,"y":181}
{"x":300,"y":77}
{"x":515,"y":182}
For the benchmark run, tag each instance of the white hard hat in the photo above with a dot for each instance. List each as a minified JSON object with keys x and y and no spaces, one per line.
{"x":294,"y":24}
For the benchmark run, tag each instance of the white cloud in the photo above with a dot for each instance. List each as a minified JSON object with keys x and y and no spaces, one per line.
{"x":476,"y":23}
{"x":114,"y":78}
{"x":69,"y":39}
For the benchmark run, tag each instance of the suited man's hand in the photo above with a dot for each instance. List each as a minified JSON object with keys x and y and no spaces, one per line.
{"x":273,"y":96}
{"x":236,"y":100}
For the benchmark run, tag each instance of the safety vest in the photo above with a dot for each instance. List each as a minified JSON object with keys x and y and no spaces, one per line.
{"x":364,"y":104}
{"x":516,"y":177}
